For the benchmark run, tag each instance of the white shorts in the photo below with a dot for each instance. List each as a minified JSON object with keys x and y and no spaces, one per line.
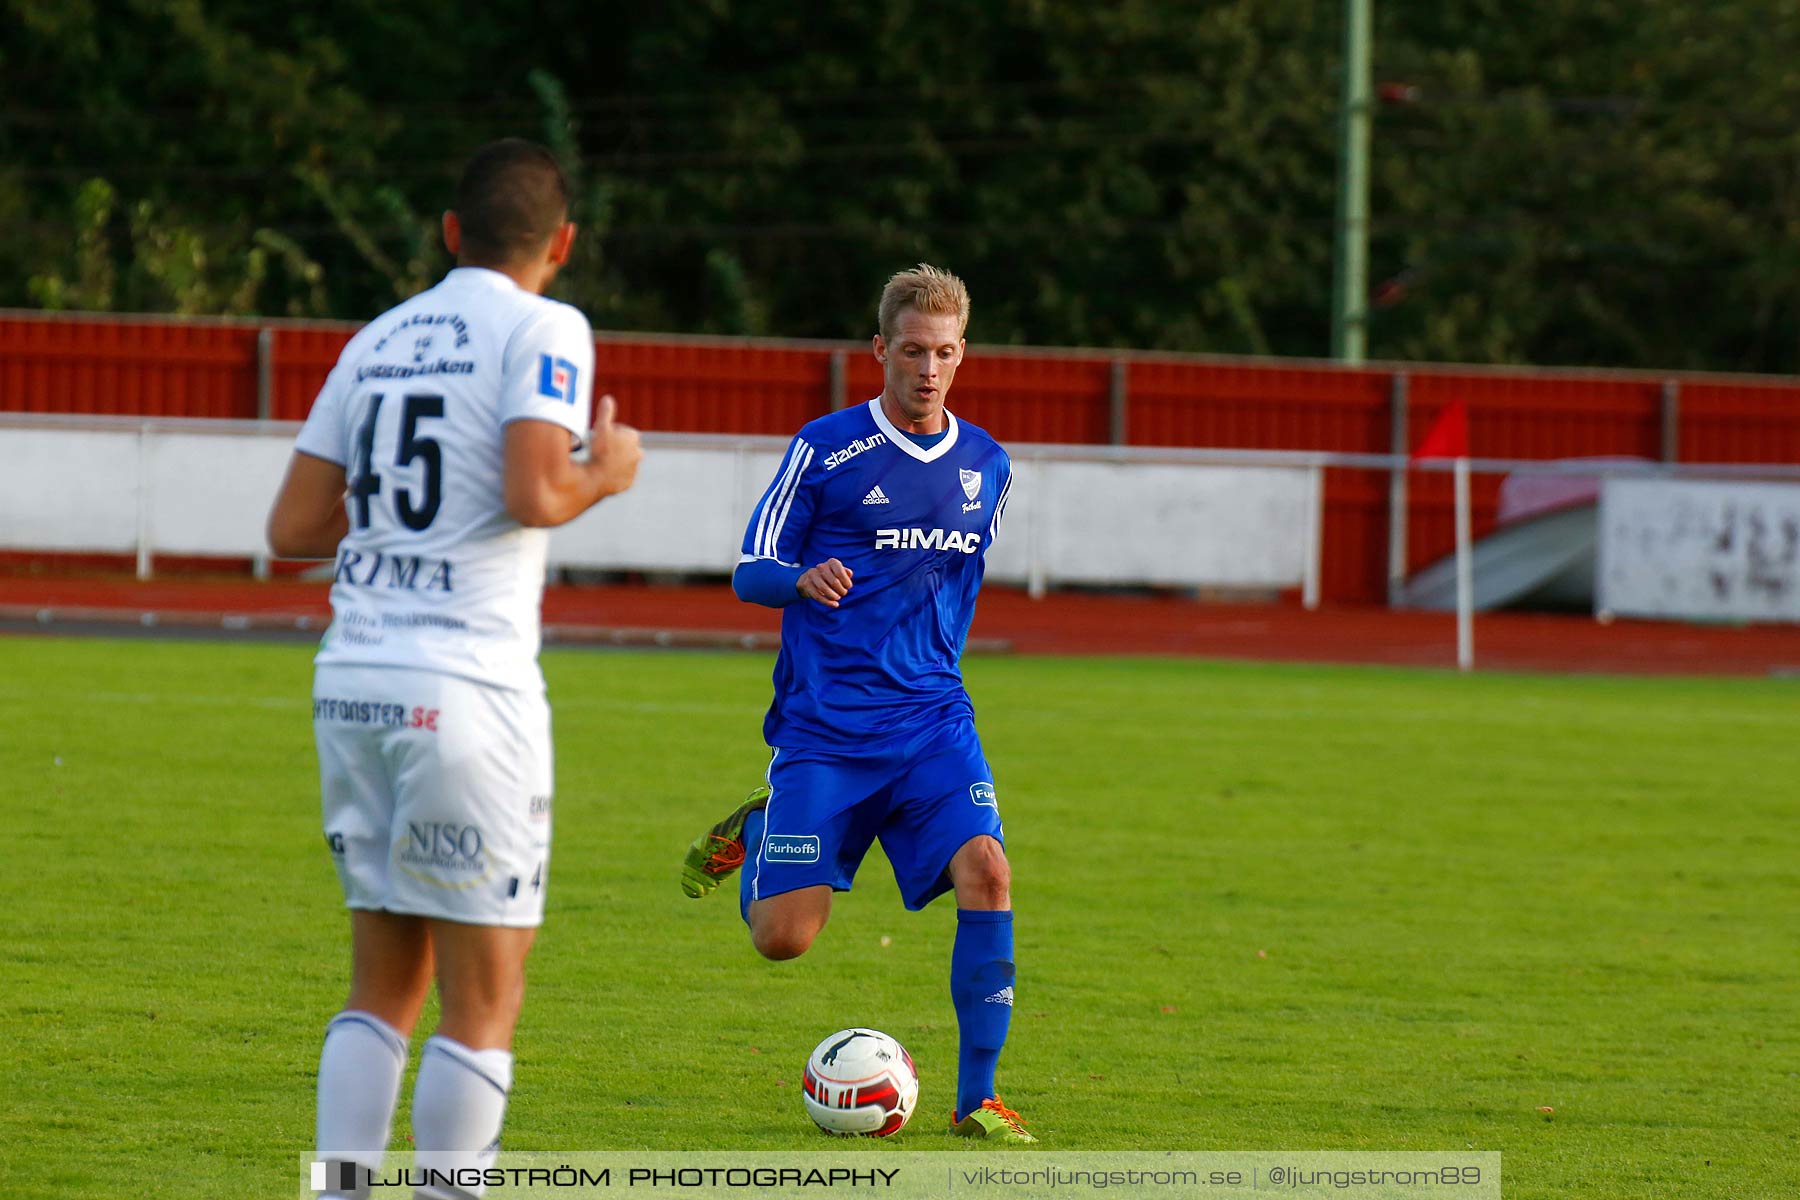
{"x":436,"y":793}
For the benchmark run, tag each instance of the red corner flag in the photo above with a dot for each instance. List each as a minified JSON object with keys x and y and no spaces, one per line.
{"x":1448,"y":436}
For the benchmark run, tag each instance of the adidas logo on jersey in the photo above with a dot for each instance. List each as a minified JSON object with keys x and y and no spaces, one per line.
{"x":1003,"y":996}
{"x":875,"y":496}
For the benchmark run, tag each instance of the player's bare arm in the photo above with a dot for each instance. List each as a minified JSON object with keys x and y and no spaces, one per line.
{"x":827,"y":583}
{"x":544,"y":486}
{"x":308,"y":518}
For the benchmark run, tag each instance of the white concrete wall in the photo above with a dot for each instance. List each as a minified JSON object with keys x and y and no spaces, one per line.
{"x":204,"y":488}
{"x":1699,"y":550}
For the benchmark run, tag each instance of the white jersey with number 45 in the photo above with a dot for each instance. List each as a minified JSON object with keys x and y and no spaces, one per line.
{"x":434,"y":574}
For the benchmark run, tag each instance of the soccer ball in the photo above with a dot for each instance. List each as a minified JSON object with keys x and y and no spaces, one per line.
{"x":860,"y":1082}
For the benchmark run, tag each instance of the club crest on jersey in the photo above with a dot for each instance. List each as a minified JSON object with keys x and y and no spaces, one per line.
{"x":556,"y":378}
{"x":971,"y":481}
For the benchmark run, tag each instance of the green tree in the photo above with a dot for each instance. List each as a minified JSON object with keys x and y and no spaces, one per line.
{"x":1574,"y":181}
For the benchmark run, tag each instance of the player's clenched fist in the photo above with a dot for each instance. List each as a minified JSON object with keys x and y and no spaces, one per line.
{"x":617,"y":451}
{"x":827,"y":583}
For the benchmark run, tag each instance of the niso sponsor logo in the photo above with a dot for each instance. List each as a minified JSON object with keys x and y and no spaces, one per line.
{"x":443,"y":845}
{"x":927,"y":539}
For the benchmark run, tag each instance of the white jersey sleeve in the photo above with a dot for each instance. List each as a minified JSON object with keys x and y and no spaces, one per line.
{"x":548,"y":371}
{"x":323,"y":435}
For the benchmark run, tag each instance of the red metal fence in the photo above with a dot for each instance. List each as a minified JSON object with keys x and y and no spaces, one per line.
{"x":155,"y":367}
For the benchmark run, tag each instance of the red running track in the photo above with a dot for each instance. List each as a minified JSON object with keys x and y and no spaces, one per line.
{"x":1064,"y":623}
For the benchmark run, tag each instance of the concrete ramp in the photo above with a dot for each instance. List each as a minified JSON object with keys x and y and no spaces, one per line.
{"x":1544,"y":561}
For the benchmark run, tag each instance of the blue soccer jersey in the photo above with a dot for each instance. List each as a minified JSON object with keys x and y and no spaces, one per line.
{"x":914,"y":525}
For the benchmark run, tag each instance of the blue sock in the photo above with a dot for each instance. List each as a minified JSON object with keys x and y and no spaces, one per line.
{"x":981,"y":986}
{"x":753,"y":831}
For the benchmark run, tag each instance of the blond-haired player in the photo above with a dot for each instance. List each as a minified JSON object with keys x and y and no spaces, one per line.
{"x":872,"y":539}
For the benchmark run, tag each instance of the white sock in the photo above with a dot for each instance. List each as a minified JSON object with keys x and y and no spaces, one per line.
{"x":459,"y":1100}
{"x":359,"y":1084}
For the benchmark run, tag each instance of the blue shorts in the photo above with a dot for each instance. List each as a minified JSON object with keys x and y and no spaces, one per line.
{"x":924,"y":797}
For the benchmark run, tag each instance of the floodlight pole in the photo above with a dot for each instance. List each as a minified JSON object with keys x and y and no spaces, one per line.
{"x":1465,"y":571}
{"x":1350,"y":255}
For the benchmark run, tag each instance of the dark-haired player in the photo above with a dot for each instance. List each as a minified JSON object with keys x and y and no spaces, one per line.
{"x":872,"y":540}
{"x":439,"y":451}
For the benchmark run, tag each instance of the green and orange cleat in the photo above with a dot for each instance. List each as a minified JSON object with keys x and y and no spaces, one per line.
{"x":719,"y":851}
{"x":993,"y":1121}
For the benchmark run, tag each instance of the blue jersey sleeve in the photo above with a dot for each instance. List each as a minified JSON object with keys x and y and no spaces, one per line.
{"x":780,"y":520}
{"x":766,"y":582}
{"x":1004,"y":494}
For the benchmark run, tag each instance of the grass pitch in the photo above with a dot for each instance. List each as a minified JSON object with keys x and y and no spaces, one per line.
{"x":1259,"y":908}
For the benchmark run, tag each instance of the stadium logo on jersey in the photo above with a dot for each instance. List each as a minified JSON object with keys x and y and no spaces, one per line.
{"x":876,"y":496}
{"x":927,"y":539}
{"x":838,"y":457}
{"x":971,"y":481}
{"x":791,"y":847}
{"x":983,"y":794}
{"x":556,"y":378}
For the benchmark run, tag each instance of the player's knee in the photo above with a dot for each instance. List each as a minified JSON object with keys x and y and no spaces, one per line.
{"x":982,"y":876}
{"x":484,"y":1001}
{"x":989,"y":892}
{"x":779,"y":943}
